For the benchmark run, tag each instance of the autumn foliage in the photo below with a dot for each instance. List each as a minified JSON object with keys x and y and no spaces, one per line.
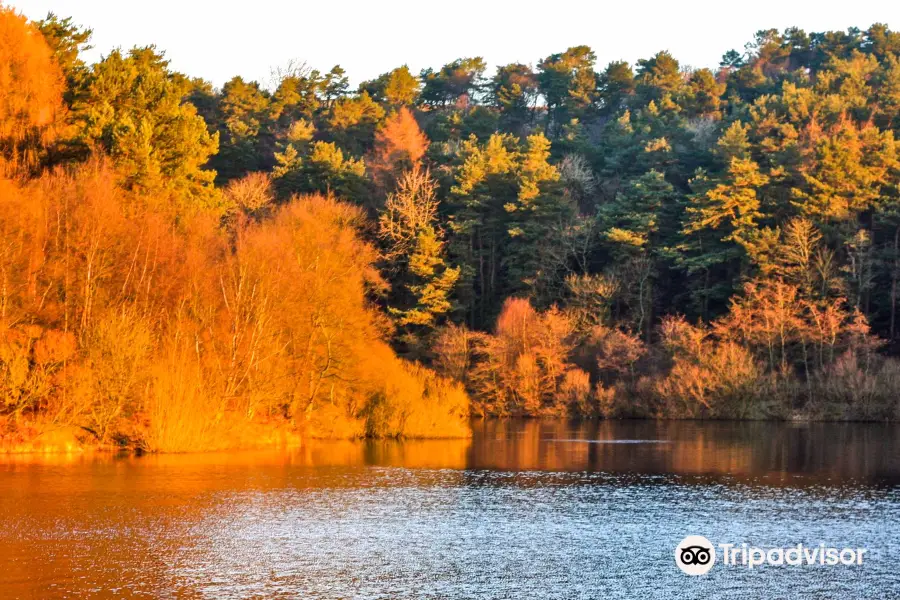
{"x":186,"y":266}
{"x":31,"y":87}
{"x":172,"y":336}
{"x":774,"y":355}
{"x":399,"y":145}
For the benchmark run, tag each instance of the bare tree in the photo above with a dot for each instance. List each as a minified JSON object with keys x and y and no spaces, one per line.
{"x":408,"y":211}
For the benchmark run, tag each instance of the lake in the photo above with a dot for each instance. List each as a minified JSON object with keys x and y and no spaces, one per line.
{"x":524,"y":509}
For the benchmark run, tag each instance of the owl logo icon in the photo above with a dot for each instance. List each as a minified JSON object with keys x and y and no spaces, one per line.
{"x":695,"y":555}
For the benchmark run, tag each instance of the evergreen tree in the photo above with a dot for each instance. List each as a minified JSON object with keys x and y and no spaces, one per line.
{"x":721,"y":232}
{"x":67,"y":41}
{"x":415,"y":252}
{"x":352,"y":123}
{"x":615,"y":87}
{"x":514,"y":92}
{"x":568,"y":83}
{"x":323,"y":169}
{"x":135,"y":108}
{"x":456,"y":82}
{"x":506,"y":202}
{"x":636,"y":227}
{"x":241,"y":119}
{"x":396,"y":88}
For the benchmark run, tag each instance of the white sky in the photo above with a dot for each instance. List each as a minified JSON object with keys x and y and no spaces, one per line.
{"x":219,"y":39}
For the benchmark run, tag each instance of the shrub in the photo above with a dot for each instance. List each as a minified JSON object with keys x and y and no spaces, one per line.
{"x":518,"y":369}
{"x":24,"y":382}
{"x":453,"y":349}
{"x":182,"y":415}
{"x":118,"y":347}
{"x":574,"y":393}
{"x":708,"y":378}
{"x":414,"y":402}
{"x":615,"y":352}
{"x":855,"y":387}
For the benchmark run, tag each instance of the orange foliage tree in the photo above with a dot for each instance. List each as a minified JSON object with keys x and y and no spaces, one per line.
{"x":399,"y":146}
{"x":171,"y":332}
{"x":31,"y":86}
{"x":524,"y":367}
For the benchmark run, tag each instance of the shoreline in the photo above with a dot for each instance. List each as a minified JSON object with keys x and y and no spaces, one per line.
{"x":71,"y":440}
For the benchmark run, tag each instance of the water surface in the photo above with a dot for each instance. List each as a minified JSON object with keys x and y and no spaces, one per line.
{"x":525,"y":509}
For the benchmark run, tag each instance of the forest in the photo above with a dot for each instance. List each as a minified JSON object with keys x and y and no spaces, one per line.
{"x":190,"y":267}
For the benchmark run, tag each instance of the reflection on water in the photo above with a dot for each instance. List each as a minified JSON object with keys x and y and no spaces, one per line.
{"x":537,"y":509}
{"x":738,"y":450}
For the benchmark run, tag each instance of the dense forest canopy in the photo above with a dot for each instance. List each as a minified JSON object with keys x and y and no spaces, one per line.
{"x":560,"y":236}
{"x":685,"y":178}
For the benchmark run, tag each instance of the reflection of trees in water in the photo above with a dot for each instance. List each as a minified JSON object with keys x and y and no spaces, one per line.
{"x":773,"y":453}
{"x":777,"y":452}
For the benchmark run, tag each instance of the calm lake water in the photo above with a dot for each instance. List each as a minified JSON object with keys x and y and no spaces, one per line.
{"x":523,"y":510}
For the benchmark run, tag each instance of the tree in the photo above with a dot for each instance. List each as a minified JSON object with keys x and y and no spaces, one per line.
{"x":253,"y":195}
{"x":615,"y":85}
{"x":67,"y":41}
{"x":324,"y":169}
{"x":721,"y":230}
{"x":352,"y":123}
{"x":455,"y":82}
{"x":31,"y":88}
{"x":396,"y":88}
{"x":658,"y":77}
{"x":134,"y":108}
{"x":703,"y":95}
{"x":506,"y":205}
{"x":334,"y":85}
{"x":415,"y":252}
{"x":537,"y":217}
{"x":635,"y":226}
{"x":523,"y":367}
{"x":850,"y":169}
{"x":402,"y":87}
{"x":514,"y":92}
{"x":297,"y":96}
{"x":568,"y":84}
{"x":803,"y":261}
{"x":399,"y":146}
{"x":732,"y":60}
{"x":733,"y":143}
{"x":241,"y":118}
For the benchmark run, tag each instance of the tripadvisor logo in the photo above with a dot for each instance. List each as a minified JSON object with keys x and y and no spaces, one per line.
{"x":695,"y":555}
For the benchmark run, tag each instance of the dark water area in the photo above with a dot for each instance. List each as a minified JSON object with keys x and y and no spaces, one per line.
{"x":524,"y":509}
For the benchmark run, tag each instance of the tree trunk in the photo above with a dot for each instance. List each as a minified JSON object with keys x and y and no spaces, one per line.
{"x":894,"y":282}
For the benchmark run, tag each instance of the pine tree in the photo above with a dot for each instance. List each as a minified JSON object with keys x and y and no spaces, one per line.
{"x":67,"y":41}
{"x":635,"y":228}
{"x":455,"y":83}
{"x":352,"y":123}
{"x":415,"y":253}
{"x":721,"y":232}
{"x":241,"y":117}
{"x":134,"y":108}
{"x":323,"y":169}
{"x":514,"y":92}
{"x":568,"y":84}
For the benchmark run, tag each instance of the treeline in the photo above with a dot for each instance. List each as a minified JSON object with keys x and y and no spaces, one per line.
{"x":647,"y":240}
{"x":175,"y":316}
